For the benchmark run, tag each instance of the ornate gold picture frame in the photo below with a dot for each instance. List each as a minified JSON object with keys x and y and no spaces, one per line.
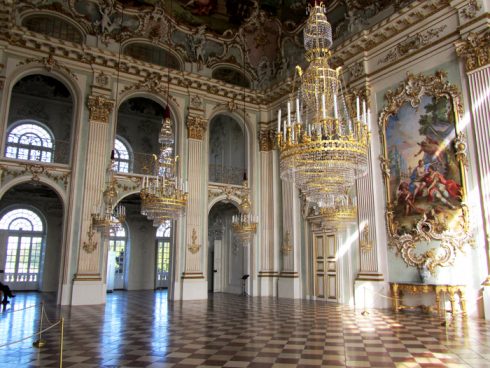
{"x":423,"y":165}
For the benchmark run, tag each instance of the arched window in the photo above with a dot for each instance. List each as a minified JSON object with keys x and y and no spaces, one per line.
{"x":53,"y":27}
{"x":25,"y":241}
{"x":30,"y":141}
{"x":164,"y":233}
{"x":117,"y":244}
{"x":122,"y":156}
{"x":152,"y":54}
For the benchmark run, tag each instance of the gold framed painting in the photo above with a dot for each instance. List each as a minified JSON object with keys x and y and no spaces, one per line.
{"x":423,"y":162}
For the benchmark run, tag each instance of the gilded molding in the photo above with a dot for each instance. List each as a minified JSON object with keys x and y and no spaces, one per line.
{"x":49,"y":63}
{"x":36,"y":170}
{"x":365,"y":243}
{"x":196,"y":126}
{"x":475,"y":50}
{"x":267,"y":139}
{"x":99,"y":108}
{"x":91,"y":245}
{"x":228,"y":190}
{"x":286,"y":247}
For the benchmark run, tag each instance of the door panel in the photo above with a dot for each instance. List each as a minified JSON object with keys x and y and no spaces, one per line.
{"x":325,"y":266}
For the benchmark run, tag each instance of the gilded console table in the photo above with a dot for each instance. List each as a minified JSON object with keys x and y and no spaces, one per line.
{"x":398,"y":289}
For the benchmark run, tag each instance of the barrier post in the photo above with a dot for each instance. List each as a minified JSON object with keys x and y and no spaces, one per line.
{"x":39,"y":343}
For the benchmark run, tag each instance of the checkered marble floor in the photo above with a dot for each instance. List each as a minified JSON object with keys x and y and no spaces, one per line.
{"x":143,"y":329}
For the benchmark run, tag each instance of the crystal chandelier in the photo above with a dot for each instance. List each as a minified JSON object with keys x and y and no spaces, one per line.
{"x":323,"y":149}
{"x":244,"y":225}
{"x":109,"y":219}
{"x":164,"y":194}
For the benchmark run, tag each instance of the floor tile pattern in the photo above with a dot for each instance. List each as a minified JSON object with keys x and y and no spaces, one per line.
{"x":143,"y":329}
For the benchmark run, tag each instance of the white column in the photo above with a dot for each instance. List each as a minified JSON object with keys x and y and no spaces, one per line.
{"x":268,"y":271}
{"x":194,"y":284}
{"x":89,"y":282}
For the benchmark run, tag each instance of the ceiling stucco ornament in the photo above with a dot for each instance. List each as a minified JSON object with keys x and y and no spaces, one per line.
{"x":471,"y":9}
{"x":412,"y":44}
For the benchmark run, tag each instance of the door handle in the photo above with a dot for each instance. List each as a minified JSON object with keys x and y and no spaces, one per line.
{"x":215,"y":270}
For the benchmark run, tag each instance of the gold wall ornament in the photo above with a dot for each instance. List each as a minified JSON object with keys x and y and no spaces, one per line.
{"x":426,"y":185}
{"x":475,"y":50}
{"x":365,"y":244}
{"x":99,"y":108}
{"x":91,"y":245}
{"x":194,"y":247}
{"x":266,"y":139}
{"x":49,"y":63}
{"x":196,"y":126}
{"x":286,"y":248}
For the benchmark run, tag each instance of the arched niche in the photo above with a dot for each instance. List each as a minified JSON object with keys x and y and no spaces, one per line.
{"x":227,"y":153}
{"x":44,"y":101}
{"x":139,"y":121}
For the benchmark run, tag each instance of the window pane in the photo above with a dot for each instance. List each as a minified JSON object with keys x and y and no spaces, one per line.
{"x":21,"y":218}
{"x":11,"y":254}
{"x":166,"y":256}
{"x":29,"y":142}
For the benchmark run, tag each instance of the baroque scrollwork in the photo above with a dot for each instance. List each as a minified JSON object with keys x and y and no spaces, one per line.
{"x":194,"y":247}
{"x":475,"y":50}
{"x":49,"y":64}
{"x":426,"y":215}
{"x":99,"y":108}
{"x":267,"y":139}
{"x":412,"y":44}
{"x":91,"y":245}
{"x":196,"y":126}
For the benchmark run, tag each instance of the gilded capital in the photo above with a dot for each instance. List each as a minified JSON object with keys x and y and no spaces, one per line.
{"x":475,"y":50}
{"x":99,"y":108}
{"x":196,"y":126}
{"x":266,"y":139}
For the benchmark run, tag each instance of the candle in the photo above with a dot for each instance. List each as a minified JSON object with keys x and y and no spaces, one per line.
{"x":284,"y":131}
{"x":369,"y":119}
{"x":289,"y":113}
{"x":278,"y":120}
{"x":324,"y":111}
{"x":335,"y":111}
{"x":358,"y":109}
{"x":298,"y":117}
{"x":364,"y":111}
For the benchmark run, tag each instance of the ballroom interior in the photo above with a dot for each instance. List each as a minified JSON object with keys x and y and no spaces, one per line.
{"x":310,"y":178}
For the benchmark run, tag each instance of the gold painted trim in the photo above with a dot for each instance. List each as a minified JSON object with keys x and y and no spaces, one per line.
{"x":192,"y":275}
{"x":287,"y":274}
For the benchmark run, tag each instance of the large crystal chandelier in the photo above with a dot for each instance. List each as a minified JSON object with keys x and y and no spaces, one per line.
{"x":164,"y":194}
{"x":244,"y":225}
{"x":109,"y":218}
{"x":323,"y":148}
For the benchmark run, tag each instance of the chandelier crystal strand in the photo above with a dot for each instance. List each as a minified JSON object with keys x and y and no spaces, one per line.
{"x":109,"y":219}
{"x":323,"y":150}
{"x":164,"y":194}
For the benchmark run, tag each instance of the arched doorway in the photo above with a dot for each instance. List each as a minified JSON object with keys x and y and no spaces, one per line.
{"x":226,"y":256}
{"x":31,"y":216}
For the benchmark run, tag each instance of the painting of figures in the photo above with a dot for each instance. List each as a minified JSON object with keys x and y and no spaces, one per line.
{"x":424,"y":173}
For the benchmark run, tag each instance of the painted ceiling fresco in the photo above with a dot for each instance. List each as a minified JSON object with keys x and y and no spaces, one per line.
{"x":260,"y":39}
